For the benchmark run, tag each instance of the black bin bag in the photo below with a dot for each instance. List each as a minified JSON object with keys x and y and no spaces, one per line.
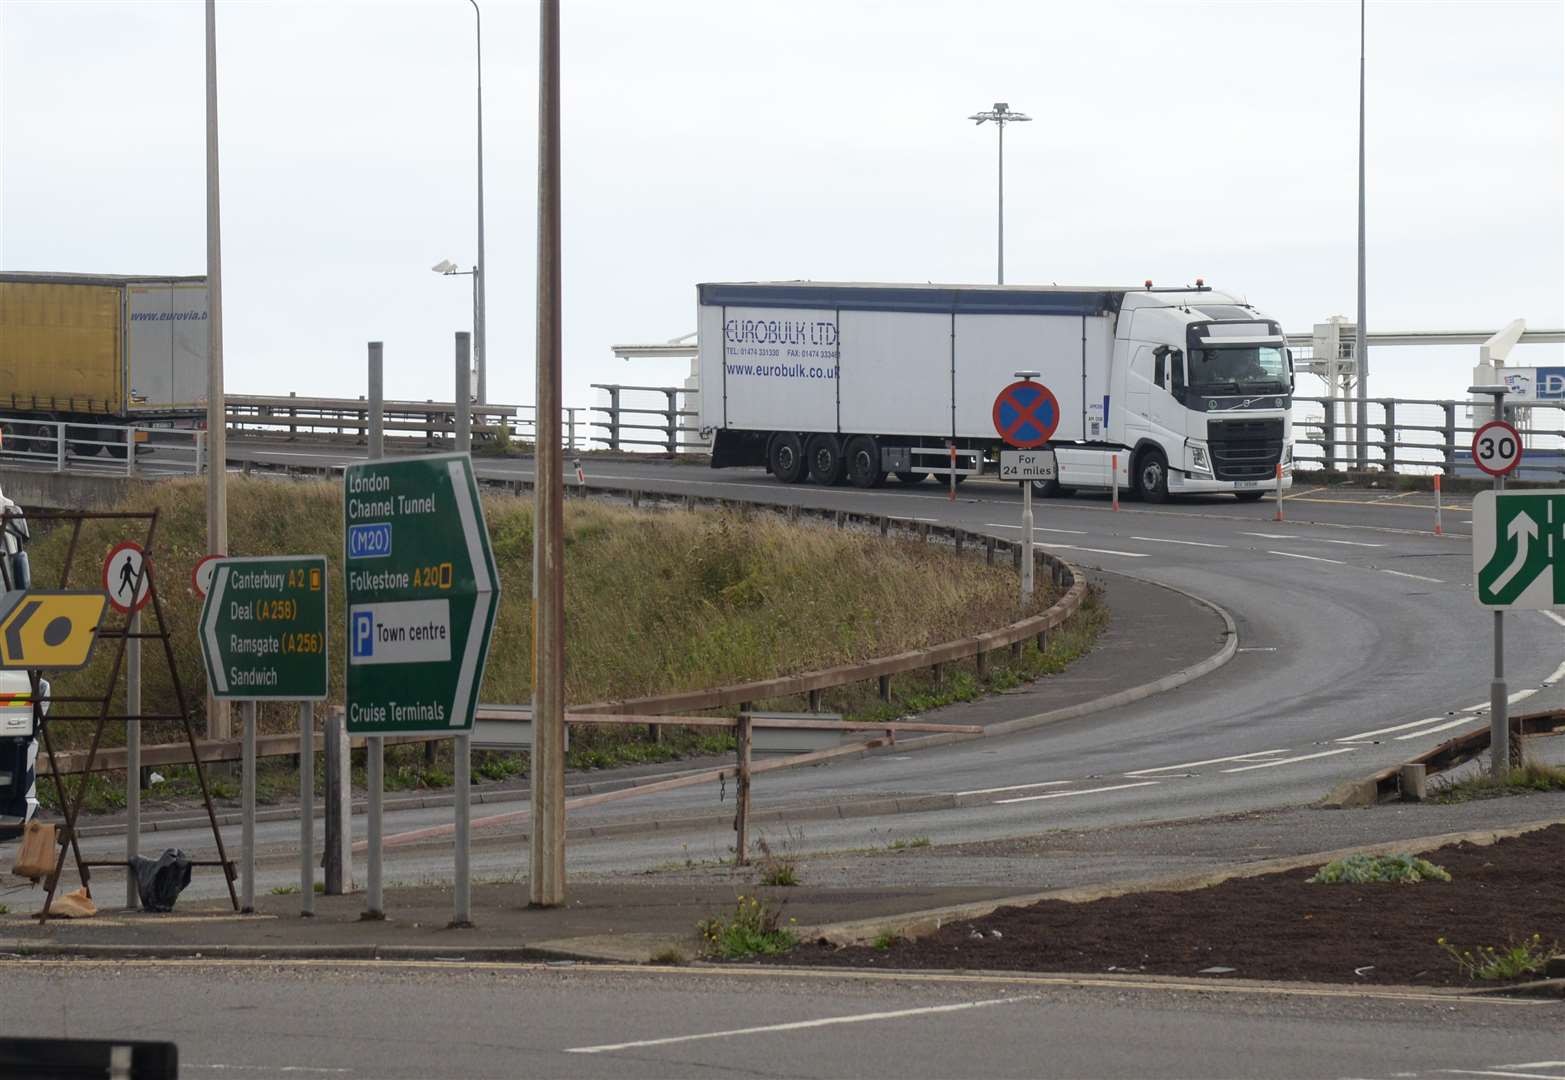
{"x":160,"y":881}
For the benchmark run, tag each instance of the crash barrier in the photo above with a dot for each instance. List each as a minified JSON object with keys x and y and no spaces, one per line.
{"x":101,"y":449}
{"x":1395,"y":781}
{"x":1420,"y":436}
{"x":792,"y":729}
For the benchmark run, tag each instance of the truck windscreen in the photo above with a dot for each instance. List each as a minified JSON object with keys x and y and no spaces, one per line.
{"x":1238,"y":369}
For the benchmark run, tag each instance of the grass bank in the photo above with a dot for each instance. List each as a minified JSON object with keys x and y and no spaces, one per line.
{"x":656,"y":601}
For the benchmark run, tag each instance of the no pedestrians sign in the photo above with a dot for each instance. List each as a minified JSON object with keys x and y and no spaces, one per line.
{"x":422,"y":591}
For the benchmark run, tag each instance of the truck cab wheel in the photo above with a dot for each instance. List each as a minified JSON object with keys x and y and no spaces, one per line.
{"x":1051,"y":489}
{"x":785,"y":458}
{"x":1151,"y":476}
{"x":824,"y":454}
{"x":912,"y":477}
{"x":864,"y":462}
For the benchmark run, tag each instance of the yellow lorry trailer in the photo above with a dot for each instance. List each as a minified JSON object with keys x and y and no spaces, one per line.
{"x":100,"y":349}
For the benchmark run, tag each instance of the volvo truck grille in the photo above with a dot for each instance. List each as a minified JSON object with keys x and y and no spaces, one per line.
{"x":1245,"y":449}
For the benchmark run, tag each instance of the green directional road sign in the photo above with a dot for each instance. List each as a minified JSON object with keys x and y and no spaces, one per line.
{"x":1519,"y":549}
{"x":263,"y":629}
{"x":422,"y":595}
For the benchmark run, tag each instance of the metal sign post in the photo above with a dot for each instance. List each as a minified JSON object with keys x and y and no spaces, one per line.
{"x":1026,"y":415}
{"x":1497,"y":450}
{"x":129,"y":587}
{"x":1028,"y":467}
{"x":132,"y":758}
{"x":421,"y":600}
{"x":263,"y":638}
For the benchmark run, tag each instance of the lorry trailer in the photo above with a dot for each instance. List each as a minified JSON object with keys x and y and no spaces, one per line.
{"x":100,"y":349}
{"x":1177,"y":390}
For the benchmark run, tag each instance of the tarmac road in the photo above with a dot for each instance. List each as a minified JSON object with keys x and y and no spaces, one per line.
{"x":434,"y":1020}
{"x":1359,"y":644}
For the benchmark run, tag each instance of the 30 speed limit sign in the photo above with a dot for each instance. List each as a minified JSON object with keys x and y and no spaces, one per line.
{"x":1497,"y":448}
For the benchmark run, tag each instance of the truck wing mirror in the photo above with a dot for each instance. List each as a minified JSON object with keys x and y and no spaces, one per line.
{"x":19,"y":573}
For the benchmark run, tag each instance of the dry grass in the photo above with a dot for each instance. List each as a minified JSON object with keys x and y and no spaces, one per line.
{"x":656,"y":600}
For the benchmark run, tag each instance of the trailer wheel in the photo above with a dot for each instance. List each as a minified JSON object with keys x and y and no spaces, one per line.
{"x":82,"y":441}
{"x":864,"y":462}
{"x":912,"y":477}
{"x":786,"y":458}
{"x":1151,"y":478}
{"x":824,"y":454}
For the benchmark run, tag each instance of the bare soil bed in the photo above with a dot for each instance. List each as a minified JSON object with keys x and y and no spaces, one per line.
{"x":1272,"y":927}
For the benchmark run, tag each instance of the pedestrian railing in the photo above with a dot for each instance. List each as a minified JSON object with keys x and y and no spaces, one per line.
{"x":1418,"y":436}
{"x":651,"y":417}
{"x":431,"y":422}
{"x":102,"y":449}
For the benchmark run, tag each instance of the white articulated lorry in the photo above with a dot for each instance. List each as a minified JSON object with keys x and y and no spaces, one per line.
{"x":1186,"y":390}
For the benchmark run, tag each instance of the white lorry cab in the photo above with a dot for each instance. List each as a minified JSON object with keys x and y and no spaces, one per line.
{"x":1177,"y":390}
{"x":18,"y":742}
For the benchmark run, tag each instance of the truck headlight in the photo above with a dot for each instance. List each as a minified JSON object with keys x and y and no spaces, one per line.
{"x":1199,"y":460}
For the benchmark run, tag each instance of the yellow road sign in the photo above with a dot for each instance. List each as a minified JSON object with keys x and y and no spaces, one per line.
{"x":49,"y":629}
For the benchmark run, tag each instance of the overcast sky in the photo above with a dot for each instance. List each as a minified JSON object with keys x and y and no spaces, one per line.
{"x":711,"y":140}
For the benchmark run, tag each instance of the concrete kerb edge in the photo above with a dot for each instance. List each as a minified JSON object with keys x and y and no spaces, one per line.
{"x":454,"y":953}
{"x":919,"y":923}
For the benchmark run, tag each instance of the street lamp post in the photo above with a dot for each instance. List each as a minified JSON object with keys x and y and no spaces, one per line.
{"x":447,"y":268}
{"x":1001,"y":114}
{"x":480,"y":342}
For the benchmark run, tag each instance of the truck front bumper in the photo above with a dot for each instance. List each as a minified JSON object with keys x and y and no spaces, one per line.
{"x":1186,"y":484}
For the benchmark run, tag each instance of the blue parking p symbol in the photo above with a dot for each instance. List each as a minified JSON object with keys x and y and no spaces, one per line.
{"x":363,"y":633}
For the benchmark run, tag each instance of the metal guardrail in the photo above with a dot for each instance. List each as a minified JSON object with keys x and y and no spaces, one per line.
{"x":1418,"y":436}
{"x":102,"y":449}
{"x":673,"y":434}
{"x":432,"y":422}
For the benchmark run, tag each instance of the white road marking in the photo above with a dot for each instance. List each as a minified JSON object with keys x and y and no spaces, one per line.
{"x":1415,"y":577}
{"x":1206,"y":761}
{"x":1291,"y":760}
{"x":1013,"y":787}
{"x":1521,"y":695}
{"x":1559,"y":673}
{"x":269,"y":1069}
{"x":1458,"y":722}
{"x":1067,"y":794}
{"x":1497,"y":1072}
{"x":801,"y":1025}
{"x":1312,"y":558}
{"x":1555,"y":616}
{"x":1038,"y":529}
{"x":1394,"y":727}
{"x":1535,"y":1065}
{"x":1167,"y":540}
{"x":1310,"y":539}
{"x":1099,"y":551}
